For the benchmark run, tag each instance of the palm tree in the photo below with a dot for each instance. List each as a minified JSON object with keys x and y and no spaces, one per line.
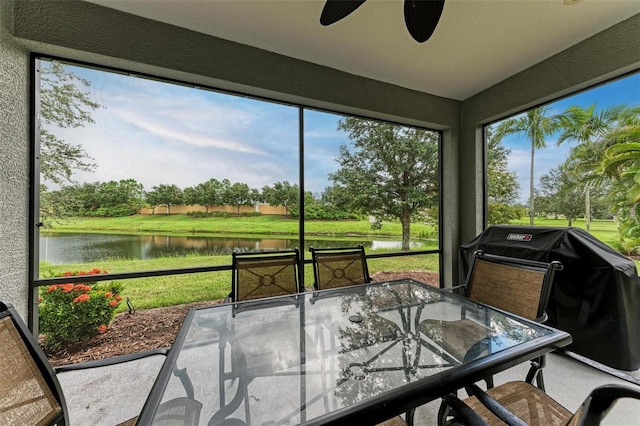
{"x":587,"y":126}
{"x":621,"y":159}
{"x":621,"y":163}
{"x":537,"y":126}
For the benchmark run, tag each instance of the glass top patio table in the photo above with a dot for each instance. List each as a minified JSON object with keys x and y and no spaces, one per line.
{"x":349,"y":355}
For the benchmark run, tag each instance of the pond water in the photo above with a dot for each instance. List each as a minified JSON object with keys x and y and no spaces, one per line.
{"x":58,"y":248}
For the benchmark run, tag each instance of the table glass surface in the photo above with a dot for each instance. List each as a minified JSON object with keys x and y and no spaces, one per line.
{"x":289,"y":360}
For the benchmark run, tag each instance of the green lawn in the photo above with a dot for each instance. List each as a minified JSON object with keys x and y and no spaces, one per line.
{"x":152,"y":292}
{"x":235,"y":226}
{"x":604,"y":230}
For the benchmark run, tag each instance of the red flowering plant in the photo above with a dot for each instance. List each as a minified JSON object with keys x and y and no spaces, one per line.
{"x":71,"y":313}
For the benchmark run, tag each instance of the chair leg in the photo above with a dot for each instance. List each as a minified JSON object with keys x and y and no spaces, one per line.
{"x":447,"y":413}
{"x":443,"y":413}
{"x":535,"y":372}
{"x":447,"y":416}
{"x":408,"y":416}
{"x":489,"y":382}
{"x":540,"y":381}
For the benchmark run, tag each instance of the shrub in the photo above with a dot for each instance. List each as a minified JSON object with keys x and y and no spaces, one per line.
{"x":72,"y":313}
{"x":322,"y":212}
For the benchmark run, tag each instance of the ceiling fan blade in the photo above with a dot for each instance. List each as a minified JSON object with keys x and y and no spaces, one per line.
{"x":335,"y":10}
{"x":421,"y":17}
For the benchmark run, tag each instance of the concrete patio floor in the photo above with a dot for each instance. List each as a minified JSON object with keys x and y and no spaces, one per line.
{"x":110,"y":395}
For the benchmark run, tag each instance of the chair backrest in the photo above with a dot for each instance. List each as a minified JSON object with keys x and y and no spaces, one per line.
{"x":339,"y":267}
{"x":515,"y":285}
{"x":30,"y":393}
{"x":264,"y":274}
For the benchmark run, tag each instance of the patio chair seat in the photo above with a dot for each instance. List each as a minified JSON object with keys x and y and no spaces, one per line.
{"x":395,"y":421}
{"x":527,"y":402}
{"x":520,"y":403}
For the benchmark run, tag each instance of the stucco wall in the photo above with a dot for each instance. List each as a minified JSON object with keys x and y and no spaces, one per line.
{"x":14,"y":167}
{"x":261,"y":208}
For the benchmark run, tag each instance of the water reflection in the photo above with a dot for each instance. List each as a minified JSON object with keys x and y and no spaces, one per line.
{"x":58,"y":248}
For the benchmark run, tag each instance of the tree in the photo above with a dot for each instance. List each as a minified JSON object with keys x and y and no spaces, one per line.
{"x":239,"y":194}
{"x":388,"y":171}
{"x":63,"y":104}
{"x":334,"y":196}
{"x":621,"y":159}
{"x":587,"y":126}
{"x":502,"y":185}
{"x":562,"y":193}
{"x":57,"y":205}
{"x":165,"y":195}
{"x":122,"y":198}
{"x":125,"y":197}
{"x":281,"y":194}
{"x":621,"y":163}
{"x":86,"y":196}
{"x":210,"y":193}
{"x":536,"y":125}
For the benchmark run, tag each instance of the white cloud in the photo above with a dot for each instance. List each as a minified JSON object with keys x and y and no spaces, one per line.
{"x":181,"y":131}
{"x":157,"y":133}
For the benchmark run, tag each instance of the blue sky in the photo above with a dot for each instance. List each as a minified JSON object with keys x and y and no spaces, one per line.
{"x":621,"y":91}
{"x":160,"y":133}
{"x":163,"y":133}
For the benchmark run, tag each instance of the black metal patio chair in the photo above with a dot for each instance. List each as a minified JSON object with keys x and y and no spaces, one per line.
{"x":264,"y":274}
{"x":518,"y":286}
{"x":29,"y":388}
{"x":520,"y":403}
{"x":339,"y":267}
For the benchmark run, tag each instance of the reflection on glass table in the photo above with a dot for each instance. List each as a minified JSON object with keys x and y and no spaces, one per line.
{"x":341,"y":355}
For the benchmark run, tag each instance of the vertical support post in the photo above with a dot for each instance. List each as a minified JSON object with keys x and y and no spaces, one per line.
{"x":301,"y":193}
{"x":34,"y":195}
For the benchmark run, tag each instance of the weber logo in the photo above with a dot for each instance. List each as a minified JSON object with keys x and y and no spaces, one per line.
{"x":520,"y":237}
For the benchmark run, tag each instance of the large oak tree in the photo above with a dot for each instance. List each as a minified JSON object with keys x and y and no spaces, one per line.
{"x":388,"y":171}
{"x":64,"y":103}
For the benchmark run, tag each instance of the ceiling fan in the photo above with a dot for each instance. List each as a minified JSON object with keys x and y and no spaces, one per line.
{"x":420,"y":16}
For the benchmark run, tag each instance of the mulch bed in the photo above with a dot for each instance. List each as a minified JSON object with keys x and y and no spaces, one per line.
{"x":129,"y":333}
{"x":157,"y":328}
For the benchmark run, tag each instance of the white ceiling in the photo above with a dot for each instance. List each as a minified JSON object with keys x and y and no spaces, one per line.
{"x":477,"y":43}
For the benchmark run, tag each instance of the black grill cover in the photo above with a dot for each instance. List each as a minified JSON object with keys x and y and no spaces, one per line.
{"x":596,"y":297}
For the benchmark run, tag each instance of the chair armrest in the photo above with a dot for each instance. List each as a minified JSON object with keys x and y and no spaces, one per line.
{"x":542,"y":318}
{"x":457,"y":289}
{"x":601,"y":400}
{"x":111,"y":361}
